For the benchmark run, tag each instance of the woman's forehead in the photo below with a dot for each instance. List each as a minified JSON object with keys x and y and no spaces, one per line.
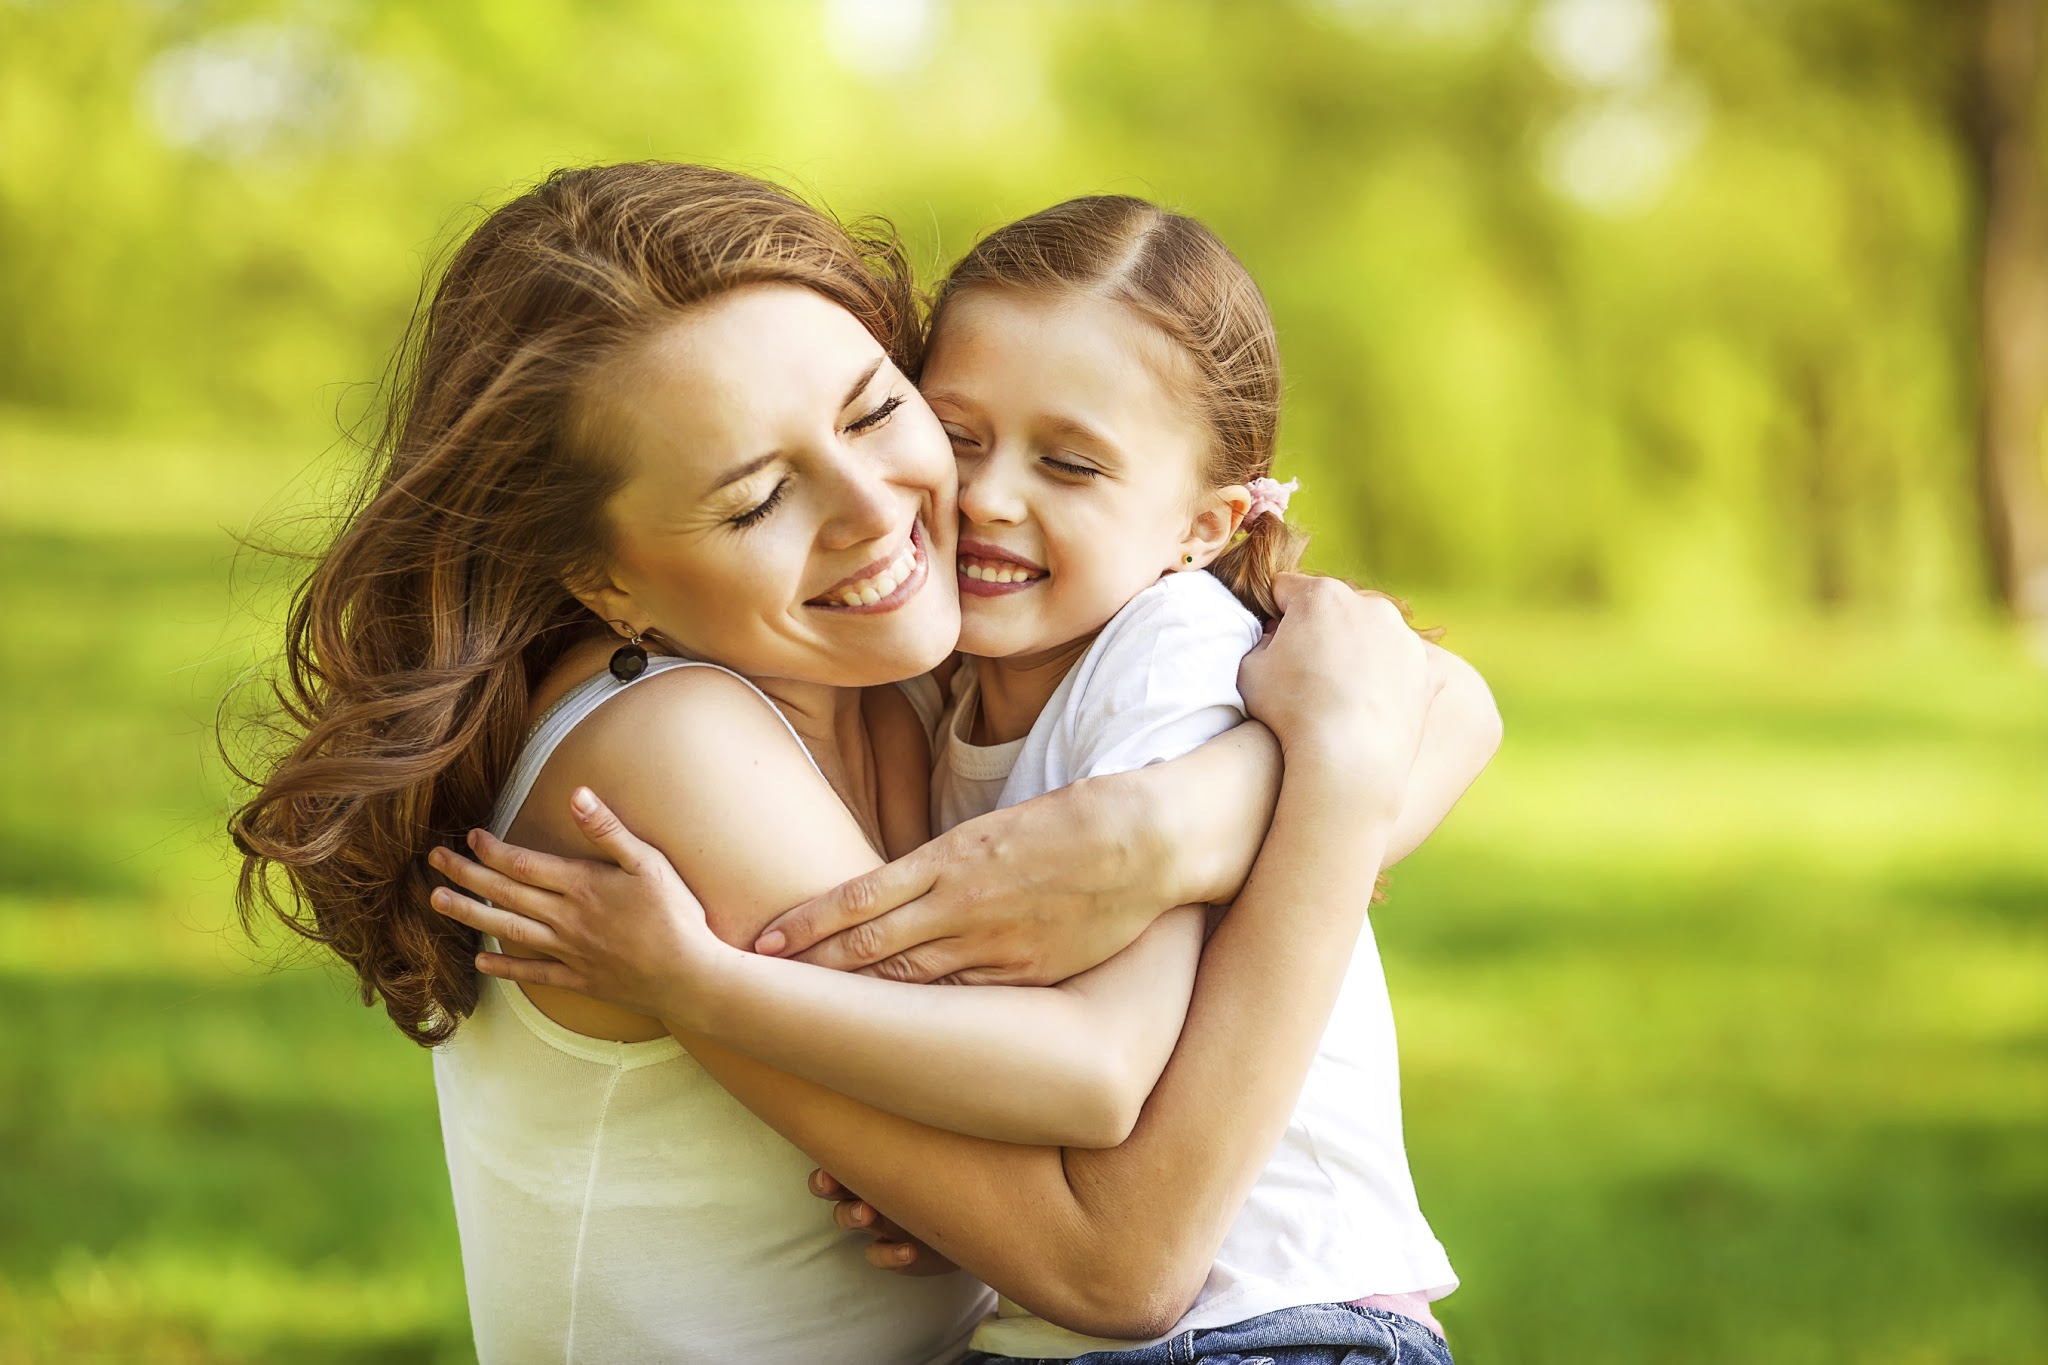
{"x":731,"y":379}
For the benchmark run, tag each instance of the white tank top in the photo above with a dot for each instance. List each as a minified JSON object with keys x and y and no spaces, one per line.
{"x":616,"y":1205}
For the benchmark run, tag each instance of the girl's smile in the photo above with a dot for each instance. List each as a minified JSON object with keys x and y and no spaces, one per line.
{"x":990,"y":571}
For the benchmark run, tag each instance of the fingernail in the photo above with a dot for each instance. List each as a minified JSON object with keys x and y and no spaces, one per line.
{"x":771,"y":943}
{"x":439,"y":897}
{"x":862,"y":1213}
{"x":584,"y":801}
{"x":901,"y":1255}
{"x":437,"y":857}
{"x":471,"y":837}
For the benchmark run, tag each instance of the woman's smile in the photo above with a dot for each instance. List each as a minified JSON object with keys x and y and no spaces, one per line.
{"x":884,"y":585}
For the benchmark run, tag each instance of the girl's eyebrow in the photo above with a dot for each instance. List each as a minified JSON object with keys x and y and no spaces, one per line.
{"x":1079,"y":430}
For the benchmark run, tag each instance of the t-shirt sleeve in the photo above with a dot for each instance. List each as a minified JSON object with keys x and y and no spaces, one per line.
{"x":1163,"y":683}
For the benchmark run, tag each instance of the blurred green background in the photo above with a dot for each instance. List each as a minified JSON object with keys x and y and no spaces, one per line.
{"x":1686,"y":359}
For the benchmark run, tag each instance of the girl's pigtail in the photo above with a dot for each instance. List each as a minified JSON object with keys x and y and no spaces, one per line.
{"x":1268,"y":548}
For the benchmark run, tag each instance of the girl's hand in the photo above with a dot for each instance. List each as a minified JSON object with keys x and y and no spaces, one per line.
{"x":893,"y":1249}
{"x":627,"y":931}
{"x":984,"y":904}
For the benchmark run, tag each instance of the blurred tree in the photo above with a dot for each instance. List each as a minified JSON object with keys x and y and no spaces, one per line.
{"x":1665,"y":304}
{"x":2002,"y":116}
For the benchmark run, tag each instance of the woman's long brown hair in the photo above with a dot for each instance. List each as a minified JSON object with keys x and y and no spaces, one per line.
{"x":414,"y":644}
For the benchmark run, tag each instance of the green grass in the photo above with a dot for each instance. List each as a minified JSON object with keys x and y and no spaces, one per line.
{"x":1724,"y":999}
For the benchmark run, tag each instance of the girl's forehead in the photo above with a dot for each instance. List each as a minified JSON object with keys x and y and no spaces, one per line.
{"x":990,"y":340}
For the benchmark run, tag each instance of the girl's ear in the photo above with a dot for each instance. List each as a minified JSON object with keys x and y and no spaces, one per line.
{"x":1218,"y":514}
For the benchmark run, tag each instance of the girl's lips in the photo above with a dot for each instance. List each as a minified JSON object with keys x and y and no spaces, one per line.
{"x":981,"y":587}
{"x":907,"y":589}
{"x":975,"y":554}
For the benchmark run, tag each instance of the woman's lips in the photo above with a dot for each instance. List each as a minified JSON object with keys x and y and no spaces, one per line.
{"x":885,"y":586}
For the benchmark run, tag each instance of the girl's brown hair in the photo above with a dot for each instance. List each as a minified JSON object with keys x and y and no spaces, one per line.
{"x":414,"y":644}
{"x":1178,"y":276}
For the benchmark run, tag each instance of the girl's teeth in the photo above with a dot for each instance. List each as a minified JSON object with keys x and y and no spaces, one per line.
{"x":995,"y":574}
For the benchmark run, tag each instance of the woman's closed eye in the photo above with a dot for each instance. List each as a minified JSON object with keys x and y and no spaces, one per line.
{"x":754,"y":515}
{"x":876,"y":417}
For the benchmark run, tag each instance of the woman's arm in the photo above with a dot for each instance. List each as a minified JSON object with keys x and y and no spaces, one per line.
{"x":1049,"y":887}
{"x":1070,"y":1064}
{"x":1075,"y":1235}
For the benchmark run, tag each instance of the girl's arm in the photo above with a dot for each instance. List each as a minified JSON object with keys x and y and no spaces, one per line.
{"x":1076,"y":1236}
{"x":1082,"y":869}
{"x":1070,"y":1064}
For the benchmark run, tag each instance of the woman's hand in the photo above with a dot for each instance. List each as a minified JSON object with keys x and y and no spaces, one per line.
{"x":1341,"y":679}
{"x":1025,"y":896}
{"x":893,"y":1249}
{"x":627,"y":931}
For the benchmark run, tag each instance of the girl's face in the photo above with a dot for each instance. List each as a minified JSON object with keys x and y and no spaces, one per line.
{"x":1077,"y":464}
{"x":788,"y":506}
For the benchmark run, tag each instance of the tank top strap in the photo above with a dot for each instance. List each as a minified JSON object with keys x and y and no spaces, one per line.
{"x":575,"y":707}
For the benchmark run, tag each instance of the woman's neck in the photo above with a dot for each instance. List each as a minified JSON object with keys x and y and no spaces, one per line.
{"x":829,"y":721}
{"x":1014,"y":691}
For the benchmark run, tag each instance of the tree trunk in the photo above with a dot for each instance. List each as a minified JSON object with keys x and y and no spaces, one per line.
{"x":2013,"y":307}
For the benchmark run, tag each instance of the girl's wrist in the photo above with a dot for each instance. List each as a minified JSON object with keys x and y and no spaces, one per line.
{"x":702,"y":995}
{"x":1342,"y":775}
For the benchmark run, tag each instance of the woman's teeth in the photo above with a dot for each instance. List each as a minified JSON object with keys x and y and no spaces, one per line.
{"x":869,"y":591}
{"x":997,"y":573}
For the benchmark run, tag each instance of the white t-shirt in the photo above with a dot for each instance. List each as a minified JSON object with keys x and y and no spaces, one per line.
{"x":1333,"y":1216}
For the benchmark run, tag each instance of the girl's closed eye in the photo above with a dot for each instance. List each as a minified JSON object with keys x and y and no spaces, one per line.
{"x":1070,"y":468}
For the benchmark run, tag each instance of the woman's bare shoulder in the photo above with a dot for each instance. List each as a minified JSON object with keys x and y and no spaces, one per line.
{"x":703,"y":767}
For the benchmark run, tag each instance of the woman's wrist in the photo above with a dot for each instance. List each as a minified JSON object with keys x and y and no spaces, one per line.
{"x":1160,"y":831}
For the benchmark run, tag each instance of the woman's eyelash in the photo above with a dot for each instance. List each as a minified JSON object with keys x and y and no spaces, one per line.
{"x":760,"y":510}
{"x":877,"y":417}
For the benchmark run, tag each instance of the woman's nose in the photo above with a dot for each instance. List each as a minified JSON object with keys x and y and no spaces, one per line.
{"x":988,"y":492}
{"x":866,"y":506}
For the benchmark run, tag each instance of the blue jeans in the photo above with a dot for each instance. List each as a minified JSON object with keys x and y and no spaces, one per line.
{"x":1318,"y":1334}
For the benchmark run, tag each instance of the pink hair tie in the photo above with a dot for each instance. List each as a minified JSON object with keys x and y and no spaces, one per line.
{"x":1269,"y":495}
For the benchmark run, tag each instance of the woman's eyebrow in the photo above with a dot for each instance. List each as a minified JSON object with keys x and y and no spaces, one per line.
{"x":862,"y":382}
{"x":755,"y":465}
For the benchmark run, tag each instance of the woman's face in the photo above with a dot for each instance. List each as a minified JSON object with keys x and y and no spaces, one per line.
{"x":788,"y":506}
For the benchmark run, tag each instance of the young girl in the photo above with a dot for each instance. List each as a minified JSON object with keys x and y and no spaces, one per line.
{"x":1108,"y":375}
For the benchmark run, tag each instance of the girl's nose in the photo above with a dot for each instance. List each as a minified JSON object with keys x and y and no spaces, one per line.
{"x":988,"y":491}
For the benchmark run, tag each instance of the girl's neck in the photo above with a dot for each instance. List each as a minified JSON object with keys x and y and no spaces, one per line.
{"x":829,"y":721}
{"x":1014,"y":690}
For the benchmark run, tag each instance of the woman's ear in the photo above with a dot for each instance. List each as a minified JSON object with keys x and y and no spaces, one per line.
{"x":606,"y":599}
{"x":1218,"y":514}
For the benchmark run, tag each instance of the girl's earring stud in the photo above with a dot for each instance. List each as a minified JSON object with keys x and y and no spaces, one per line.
{"x":1187,"y":559}
{"x":629,"y":660}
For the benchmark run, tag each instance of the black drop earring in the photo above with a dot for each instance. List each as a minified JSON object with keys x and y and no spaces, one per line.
{"x":629,"y":660}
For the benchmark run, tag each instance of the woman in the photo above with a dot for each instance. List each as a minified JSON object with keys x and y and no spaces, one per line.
{"x":618,"y":374}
